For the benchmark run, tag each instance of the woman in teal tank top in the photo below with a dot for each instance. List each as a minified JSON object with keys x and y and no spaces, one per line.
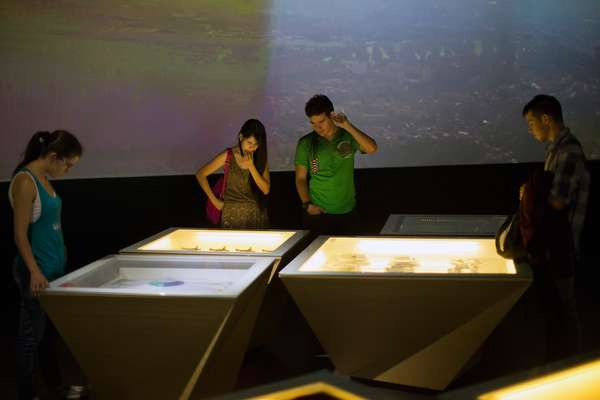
{"x":38,"y":237}
{"x":45,"y":234}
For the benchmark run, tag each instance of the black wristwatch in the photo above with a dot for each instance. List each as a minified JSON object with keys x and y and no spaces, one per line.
{"x":305,"y":204}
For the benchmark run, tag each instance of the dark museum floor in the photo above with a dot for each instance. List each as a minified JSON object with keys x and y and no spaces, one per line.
{"x":516,"y":345}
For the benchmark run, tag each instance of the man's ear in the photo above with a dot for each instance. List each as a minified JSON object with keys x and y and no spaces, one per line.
{"x":545,"y":118}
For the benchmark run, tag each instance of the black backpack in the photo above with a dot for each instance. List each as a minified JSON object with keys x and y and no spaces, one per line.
{"x":509,"y":241}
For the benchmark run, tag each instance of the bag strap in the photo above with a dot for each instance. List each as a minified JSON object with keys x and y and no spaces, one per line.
{"x":314,"y":162}
{"x":226,"y":168}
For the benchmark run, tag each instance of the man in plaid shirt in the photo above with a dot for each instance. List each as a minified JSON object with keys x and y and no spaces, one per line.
{"x":564,"y":157}
{"x":569,"y":191}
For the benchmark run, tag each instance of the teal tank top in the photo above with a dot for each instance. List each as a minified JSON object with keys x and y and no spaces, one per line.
{"x":45,"y":235}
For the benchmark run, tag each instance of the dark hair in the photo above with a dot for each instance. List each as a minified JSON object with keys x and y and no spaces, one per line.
{"x":318,"y":104}
{"x":544,"y":104}
{"x":255,"y":128}
{"x":42,"y":143}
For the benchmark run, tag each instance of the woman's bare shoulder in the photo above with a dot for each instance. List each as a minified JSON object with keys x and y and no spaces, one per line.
{"x":23,"y":186}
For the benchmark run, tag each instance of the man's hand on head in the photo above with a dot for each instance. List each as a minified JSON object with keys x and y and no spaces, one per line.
{"x":340,"y":119}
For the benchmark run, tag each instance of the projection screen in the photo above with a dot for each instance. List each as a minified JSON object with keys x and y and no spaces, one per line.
{"x":159,"y":87}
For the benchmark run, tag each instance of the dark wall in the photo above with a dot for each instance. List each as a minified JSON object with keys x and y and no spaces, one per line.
{"x":101,"y":216}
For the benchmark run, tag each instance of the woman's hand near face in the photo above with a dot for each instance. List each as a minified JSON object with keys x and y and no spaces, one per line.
{"x":247,"y":161}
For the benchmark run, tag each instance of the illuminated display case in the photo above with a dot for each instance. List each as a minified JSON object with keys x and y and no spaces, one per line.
{"x":282,"y":245}
{"x":567,"y":379}
{"x":408,"y":311}
{"x":408,"y":255}
{"x":179,"y":324}
{"x":218,"y":242}
{"x":442,"y":225}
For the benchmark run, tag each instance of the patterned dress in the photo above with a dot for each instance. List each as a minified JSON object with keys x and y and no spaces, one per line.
{"x":241,"y":209}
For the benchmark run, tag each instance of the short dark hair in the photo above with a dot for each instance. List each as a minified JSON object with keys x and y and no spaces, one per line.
{"x":318,"y":104}
{"x":544,"y":104}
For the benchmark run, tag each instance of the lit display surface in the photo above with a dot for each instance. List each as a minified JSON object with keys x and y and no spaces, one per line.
{"x":158,"y":275}
{"x":166,"y":280}
{"x":407,"y":255}
{"x":231,"y":241}
{"x":581,"y":382}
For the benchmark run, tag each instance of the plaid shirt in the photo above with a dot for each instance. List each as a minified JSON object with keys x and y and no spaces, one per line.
{"x":571,"y":184}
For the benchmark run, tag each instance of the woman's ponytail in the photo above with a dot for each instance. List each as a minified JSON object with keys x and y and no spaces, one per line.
{"x":63,"y":143}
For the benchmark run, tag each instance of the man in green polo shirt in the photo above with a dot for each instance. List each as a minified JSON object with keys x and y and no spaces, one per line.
{"x":327,"y":156}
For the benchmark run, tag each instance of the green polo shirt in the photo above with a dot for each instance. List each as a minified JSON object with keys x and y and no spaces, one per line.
{"x":332,"y":187}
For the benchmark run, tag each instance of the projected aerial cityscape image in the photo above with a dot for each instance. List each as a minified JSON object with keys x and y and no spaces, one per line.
{"x":158,"y":89}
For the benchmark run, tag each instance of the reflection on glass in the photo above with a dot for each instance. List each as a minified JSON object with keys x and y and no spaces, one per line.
{"x":219,"y":241}
{"x":581,"y":382}
{"x":445,"y":256}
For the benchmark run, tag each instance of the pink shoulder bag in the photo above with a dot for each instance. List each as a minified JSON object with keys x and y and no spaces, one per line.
{"x":213,"y":214}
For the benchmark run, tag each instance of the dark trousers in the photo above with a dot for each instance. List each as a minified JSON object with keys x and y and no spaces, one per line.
{"x":332,"y":224}
{"x":35,"y":337}
{"x":557,"y":302}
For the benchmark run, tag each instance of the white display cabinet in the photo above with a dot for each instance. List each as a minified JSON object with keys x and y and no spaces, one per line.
{"x":408,"y":311}
{"x":156,"y":326}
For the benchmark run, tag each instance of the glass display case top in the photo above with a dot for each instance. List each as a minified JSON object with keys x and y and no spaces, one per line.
{"x":444,"y":225}
{"x":233,"y":241}
{"x":187,"y":275}
{"x":158,"y":280}
{"x":408,"y":255}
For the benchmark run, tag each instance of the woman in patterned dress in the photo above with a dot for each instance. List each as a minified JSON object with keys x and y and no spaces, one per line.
{"x":248,"y":182}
